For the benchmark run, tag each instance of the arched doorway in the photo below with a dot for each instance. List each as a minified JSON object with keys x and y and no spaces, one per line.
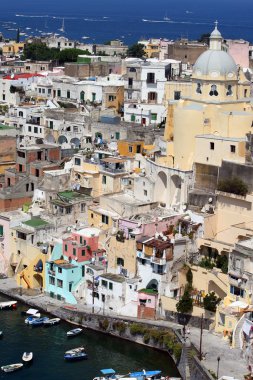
{"x":76,"y":142}
{"x":82,"y":96}
{"x":161,"y":187}
{"x":175,"y":190}
{"x":153,"y":284}
{"x":37,"y":281}
{"x":62,"y":140}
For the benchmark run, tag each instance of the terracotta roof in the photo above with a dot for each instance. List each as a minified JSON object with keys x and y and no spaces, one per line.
{"x":22,"y":76}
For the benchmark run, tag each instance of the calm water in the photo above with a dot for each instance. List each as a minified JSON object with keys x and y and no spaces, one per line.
{"x":49,"y":345}
{"x":102,"y":20}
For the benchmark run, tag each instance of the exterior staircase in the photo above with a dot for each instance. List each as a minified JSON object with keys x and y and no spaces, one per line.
{"x":237,"y":333}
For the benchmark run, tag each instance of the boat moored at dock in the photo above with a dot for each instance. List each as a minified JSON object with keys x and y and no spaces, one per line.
{"x":73,"y":356}
{"x":11,"y":367}
{"x":12,"y":305}
{"x":74,"y":332}
{"x":52,"y":322}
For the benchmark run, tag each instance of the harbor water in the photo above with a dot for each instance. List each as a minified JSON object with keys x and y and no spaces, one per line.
{"x":49,"y":344}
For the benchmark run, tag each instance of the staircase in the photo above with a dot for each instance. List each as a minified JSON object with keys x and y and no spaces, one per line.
{"x":237,"y":333}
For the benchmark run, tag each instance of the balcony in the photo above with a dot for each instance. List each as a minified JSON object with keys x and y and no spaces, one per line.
{"x":112,"y":170}
{"x":158,"y":261}
{"x":151,"y":84}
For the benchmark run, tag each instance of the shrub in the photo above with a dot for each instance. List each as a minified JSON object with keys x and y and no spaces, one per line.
{"x":189,"y":276}
{"x":206,"y":263}
{"x":210,"y":301}
{"x":233,"y":185}
{"x":119,"y":326}
{"x":222,"y":263}
{"x":185,"y":304}
{"x":104,"y":324}
{"x":146,"y":338}
{"x":136,"y":329}
{"x":177,"y":350}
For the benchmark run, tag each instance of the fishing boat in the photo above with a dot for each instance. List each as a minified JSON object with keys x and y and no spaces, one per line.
{"x":52,"y":321}
{"x":75,"y":350}
{"x":27,"y":357}
{"x":38,"y":321}
{"x":8,"y":305}
{"x":73,"y":356}
{"x":74,"y":332}
{"x":11,"y":367}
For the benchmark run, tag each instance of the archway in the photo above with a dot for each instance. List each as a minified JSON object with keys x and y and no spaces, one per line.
{"x":76,"y":142}
{"x":62,"y":139}
{"x":153,"y":284}
{"x":49,"y":139}
{"x":161,"y":188}
{"x":37,"y":280}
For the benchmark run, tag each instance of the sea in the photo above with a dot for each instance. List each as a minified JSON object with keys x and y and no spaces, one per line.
{"x":98,"y":21}
{"x":49,"y":344}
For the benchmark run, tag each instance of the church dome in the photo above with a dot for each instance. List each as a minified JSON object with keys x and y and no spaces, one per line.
{"x":215,"y":63}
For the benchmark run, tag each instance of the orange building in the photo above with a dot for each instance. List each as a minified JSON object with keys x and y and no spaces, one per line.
{"x":129,"y":148}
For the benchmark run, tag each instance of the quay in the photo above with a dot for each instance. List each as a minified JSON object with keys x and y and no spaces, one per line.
{"x":213,"y":345}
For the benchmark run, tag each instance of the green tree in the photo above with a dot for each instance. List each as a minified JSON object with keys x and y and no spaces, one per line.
{"x":205,"y":37}
{"x":70,"y":55}
{"x":222,"y":263}
{"x":210,"y":301}
{"x":136,"y":50}
{"x":185,"y":304}
{"x":189,"y":277}
{"x":233,"y":185}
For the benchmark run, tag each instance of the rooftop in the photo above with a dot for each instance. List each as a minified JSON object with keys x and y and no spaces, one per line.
{"x":36,"y":223}
{"x":113,"y":277}
{"x":148,"y":291}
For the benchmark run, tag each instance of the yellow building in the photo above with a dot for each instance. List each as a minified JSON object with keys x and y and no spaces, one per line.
{"x":129,"y":148}
{"x":13,"y":48}
{"x":114,"y":97}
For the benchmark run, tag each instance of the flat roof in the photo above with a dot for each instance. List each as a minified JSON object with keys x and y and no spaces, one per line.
{"x":113,"y":160}
{"x":113,"y":277}
{"x":36,"y":223}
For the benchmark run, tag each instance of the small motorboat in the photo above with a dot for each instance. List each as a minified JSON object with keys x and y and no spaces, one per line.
{"x":8,"y":305}
{"x":107,"y":374}
{"x":75,"y":356}
{"x":52,"y":321}
{"x":11,"y":367}
{"x":38,"y":321}
{"x":30,"y":319}
{"x":74,"y":332}
{"x":31,"y":312}
{"x":75,"y":350}
{"x":146,"y":374}
{"x":27,"y":357}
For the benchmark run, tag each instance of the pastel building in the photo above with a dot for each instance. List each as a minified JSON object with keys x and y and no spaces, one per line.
{"x":80,"y":245}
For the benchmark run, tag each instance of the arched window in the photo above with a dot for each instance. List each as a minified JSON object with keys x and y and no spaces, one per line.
{"x":82,"y":94}
{"x":213,"y":91}
{"x":20,"y":114}
{"x":229,"y":90}
{"x":198,"y":89}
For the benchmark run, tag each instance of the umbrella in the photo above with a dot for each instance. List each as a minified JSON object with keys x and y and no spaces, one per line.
{"x":239,"y":304}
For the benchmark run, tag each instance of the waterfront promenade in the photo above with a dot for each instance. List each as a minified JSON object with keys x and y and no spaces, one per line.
{"x":231,"y":361}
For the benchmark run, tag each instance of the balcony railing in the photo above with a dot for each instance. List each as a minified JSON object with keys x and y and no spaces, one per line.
{"x":112,"y":170}
{"x":158,"y":261}
{"x":52,"y":272}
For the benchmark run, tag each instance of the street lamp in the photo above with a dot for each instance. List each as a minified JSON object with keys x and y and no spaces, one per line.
{"x":218,"y":365}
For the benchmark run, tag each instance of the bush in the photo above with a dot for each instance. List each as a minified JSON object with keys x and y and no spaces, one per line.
{"x":146,"y":338}
{"x":233,"y":185}
{"x":177,"y":350}
{"x":189,"y":276}
{"x":222,"y":263}
{"x":104,"y":324}
{"x":206,"y":263}
{"x":185,"y":304}
{"x":210,"y":301}
{"x":136,"y":329}
{"x":119,"y":326}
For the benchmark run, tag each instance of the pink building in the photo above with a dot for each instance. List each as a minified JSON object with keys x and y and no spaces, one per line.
{"x":82,"y":244}
{"x":239,"y":50}
{"x":147,"y":303}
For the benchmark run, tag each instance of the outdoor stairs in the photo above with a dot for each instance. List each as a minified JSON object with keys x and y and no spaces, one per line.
{"x":216,"y":279}
{"x":237,"y":333}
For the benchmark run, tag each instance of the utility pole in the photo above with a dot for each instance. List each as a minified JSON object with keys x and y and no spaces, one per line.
{"x":93,"y":282}
{"x":200,"y":342}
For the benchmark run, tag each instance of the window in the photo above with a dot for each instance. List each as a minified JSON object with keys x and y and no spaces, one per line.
{"x":129,"y":95}
{"x":120,"y":261}
{"x":93,"y":96}
{"x":154,"y":116}
{"x":75,"y":128}
{"x":198,"y":89}
{"x":59,"y":270}
{"x":130,"y":149}
{"x":177,"y":95}
{"x":29,"y":128}
{"x":104,"y":179}
{"x":51,"y":280}
{"x":105,"y":219}
{"x":60,"y":283}
{"x":70,"y":286}
{"x":39,"y":90}
{"x":83,"y":252}
{"x":132,"y":70}
{"x":82,"y":95}
{"x":152,"y":97}
{"x":245,"y":93}
{"x":130,"y":82}
{"x":74,"y":251}
{"x":145,"y":193}
{"x":232,"y":148}
{"x":229,"y":90}
{"x":49,"y":91}
{"x":21,"y":235}
{"x":3,"y":96}
{"x":68,"y":94}
{"x":111,"y":98}
{"x":213,"y":91}
{"x":110,"y":285}
{"x":83,"y":270}
{"x":59,"y":93}
{"x":133,"y":118}
{"x":77,"y":161}
{"x":236,"y":291}
{"x":104,"y":283}
{"x":91,"y":215}
{"x":51,"y":124}
{"x":66,"y":248}
{"x":151,"y":78}
{"x":117,"y":135}
{"x":103,"y":297}
{"x":43,"y":91}
{"x":212,"y":145}
{"x":1,"y":230}
{"x":35,"y":129}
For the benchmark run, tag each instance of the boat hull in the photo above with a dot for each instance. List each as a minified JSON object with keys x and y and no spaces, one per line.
{"x":75,"y":357}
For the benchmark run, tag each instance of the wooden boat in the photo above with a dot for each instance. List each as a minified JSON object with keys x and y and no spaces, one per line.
{"x":8,"y":305}
{"x":75,"y":350}
{"x":27,"y":357}
{"x":74,"y":332}
{"x":76,"y":356}
{"x":38,"y":321}
{"x":52,"y":321}
{"x":11,"y":367}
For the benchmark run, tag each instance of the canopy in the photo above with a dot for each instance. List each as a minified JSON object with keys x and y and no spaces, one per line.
{"x":107,"y":371}
{"x":32,"y":311}
{"x":240,"y":304}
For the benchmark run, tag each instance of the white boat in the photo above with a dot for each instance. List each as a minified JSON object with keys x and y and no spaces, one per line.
{"x":12,"y":367}
{"x":75,"y":350}
{"x":52,"y":321}
{"x":32,"y":312}
{"x":85,"y":37}
{"x":27,"y":357}
{"x":74,"y":332}
{"x":8,"y":305}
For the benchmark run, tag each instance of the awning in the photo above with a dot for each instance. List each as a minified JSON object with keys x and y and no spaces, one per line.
{"x":108,"y":371}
